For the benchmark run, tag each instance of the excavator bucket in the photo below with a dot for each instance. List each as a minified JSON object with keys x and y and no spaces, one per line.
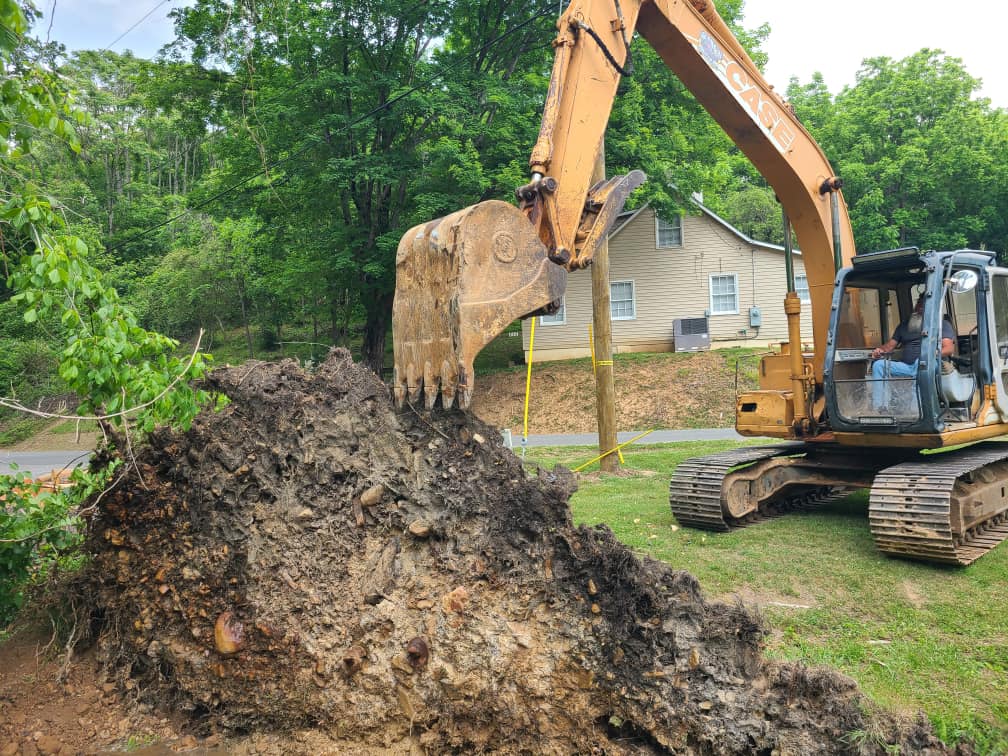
{"x":460,"y":281}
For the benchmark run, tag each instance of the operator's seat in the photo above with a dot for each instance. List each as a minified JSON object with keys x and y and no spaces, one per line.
{"x":958,"y":387}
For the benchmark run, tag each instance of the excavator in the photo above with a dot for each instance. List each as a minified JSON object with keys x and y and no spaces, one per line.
{"x":842,"y":424}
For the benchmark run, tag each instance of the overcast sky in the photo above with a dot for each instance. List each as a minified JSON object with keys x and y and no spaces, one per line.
{"x":94,"y":24}
{"x":832,"y":37}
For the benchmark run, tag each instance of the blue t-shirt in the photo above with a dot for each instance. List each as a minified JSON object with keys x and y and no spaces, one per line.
{"x":910,"y":339}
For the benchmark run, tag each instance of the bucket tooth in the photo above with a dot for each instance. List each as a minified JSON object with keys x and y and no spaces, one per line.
{"x":430,"y":386}
{"x":398,"y":387}
{"x":464,"y":395}
{"x":460,"y":281}
{"x":412,"y":383}
{"x":449,"y":383}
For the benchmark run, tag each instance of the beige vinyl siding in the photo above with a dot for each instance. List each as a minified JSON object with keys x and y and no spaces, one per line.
{"x":675,"y":283}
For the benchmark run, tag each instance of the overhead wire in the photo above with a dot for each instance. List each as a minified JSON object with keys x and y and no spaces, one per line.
{"x":137,"y":23}
{"x":287,"y":90}
{"x":347,"y":127}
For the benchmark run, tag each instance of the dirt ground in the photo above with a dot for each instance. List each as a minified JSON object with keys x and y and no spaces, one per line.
{"x":659,"y":391}
{"x":50,"y":440}
{"x":49,"y":706}
{"x":312,"y":571}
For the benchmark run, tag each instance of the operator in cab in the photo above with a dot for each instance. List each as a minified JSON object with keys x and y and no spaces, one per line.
{"x":908,"y":336}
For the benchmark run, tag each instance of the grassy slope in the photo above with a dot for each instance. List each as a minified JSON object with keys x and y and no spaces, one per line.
{"x":915,"y":636}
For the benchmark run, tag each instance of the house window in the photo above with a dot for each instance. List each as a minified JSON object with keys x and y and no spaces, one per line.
{"x":724,"y":294}
{"x":801,"y":287}
{"x":668,"y":233}
{"x":621,"y":300}
{"x":557,"y":318}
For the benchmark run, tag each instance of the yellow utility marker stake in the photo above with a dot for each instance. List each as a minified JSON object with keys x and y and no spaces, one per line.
{"x":528,"y":384}
{"x":615,"y":449}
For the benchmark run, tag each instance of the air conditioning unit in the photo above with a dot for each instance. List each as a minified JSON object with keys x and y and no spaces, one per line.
{"x":690,"y":335}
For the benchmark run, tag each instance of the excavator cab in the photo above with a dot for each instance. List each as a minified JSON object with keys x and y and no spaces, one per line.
{"x":932,"y":297}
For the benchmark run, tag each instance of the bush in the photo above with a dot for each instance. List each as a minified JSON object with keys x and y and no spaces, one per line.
{"x":28,"y":369}
{"x":18,"y":428}
{"x":37,"y":529}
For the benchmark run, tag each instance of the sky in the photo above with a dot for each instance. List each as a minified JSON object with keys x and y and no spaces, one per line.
{"x":831,"y":37}
{"x":94,"y":24}
{"x":834,"y":37}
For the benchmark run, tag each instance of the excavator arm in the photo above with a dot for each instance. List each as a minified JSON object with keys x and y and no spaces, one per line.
{"x":463,"y":278}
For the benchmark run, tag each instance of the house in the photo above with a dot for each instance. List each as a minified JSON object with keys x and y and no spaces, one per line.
{"x":691,"y":266}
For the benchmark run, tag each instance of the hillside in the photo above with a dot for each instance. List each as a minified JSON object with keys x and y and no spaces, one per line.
{"x":686,"y":390}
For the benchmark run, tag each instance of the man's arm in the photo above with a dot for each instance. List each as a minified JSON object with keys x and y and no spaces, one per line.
{"x":886,"y":348}
{"x":948,"y":344}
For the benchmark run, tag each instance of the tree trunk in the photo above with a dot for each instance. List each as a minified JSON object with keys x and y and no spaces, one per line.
{"x":245,"y":318}
{"x":339,"y":316}
{"x":379,"y":316}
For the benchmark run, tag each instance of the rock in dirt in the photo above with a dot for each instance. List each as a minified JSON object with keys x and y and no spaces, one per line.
{"x":458,"y":607}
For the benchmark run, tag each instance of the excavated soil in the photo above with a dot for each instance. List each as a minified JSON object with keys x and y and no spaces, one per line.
{"x":704,"y":386}
{"x":310,"y":557}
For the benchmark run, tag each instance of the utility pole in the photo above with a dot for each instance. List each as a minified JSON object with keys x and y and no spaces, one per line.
{"x":605,"y":391}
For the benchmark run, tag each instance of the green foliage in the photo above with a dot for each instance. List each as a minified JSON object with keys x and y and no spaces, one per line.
{"x":37,"y":527}
{"x":217,"y":277}
{"x":15,"y":428}
{"x":113,"y":364}
{"x":658,"y":126}
{"x":922,"y":160}
{"x":31,"y":100}
{"x":144,"y":145}
{"x":27,"y":368}
{"x":755,"y":212}
{"x":116,"y":366}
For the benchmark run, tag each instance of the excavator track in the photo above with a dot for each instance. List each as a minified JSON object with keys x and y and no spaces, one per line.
{"x":695,"y":489}
{"x":916,"y":509}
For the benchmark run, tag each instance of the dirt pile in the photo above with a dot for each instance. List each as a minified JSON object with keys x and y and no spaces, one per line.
{"x":309,"y":556}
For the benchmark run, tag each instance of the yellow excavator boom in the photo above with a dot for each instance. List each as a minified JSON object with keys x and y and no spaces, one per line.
{"x":463,"y":278}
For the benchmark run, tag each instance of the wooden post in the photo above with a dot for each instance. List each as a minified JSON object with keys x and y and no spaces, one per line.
{"x":605,"y":391}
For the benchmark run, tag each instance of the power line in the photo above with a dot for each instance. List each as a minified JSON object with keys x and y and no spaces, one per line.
{"x":308,"y":145}
{"x":291,"y":88}
{"x":136,"y":24}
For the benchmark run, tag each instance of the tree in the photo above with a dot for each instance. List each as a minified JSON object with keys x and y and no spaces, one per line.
{"x":116,"y":367}
{"x":353,"y":128}
{"x":144,"y":145}
{"x":756,"y":212}
{"x":920,"y":157}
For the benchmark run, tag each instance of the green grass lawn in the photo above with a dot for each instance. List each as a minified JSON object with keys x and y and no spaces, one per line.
{"x":914,"y":636}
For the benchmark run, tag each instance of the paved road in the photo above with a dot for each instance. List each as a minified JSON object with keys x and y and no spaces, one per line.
{"x":41,"y":462}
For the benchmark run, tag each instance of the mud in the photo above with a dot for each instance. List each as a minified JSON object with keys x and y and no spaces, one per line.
{"x":311,"y":558}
